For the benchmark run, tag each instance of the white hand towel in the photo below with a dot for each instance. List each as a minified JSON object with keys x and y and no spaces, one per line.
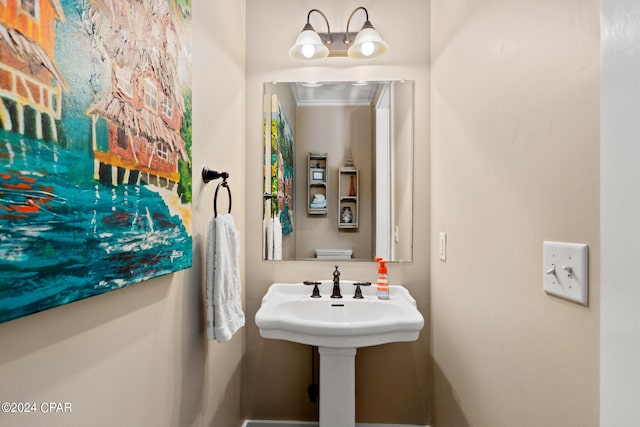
{"x":277,"y":238}
{"x":224,"y":306}
{"x":265,"y":232}
{"x":270,"y":238}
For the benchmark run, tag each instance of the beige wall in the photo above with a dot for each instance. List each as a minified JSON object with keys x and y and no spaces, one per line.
{"x":515,"y":161}
{"x":391,"y":380}
{"x":138,"y":356}
{"x":322,"y":129}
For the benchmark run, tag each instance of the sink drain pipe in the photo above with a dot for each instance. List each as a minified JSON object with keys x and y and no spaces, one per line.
{"x":313,"y":390}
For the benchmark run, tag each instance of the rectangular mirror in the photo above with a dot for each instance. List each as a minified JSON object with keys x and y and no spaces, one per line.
{"x":338,"y":170}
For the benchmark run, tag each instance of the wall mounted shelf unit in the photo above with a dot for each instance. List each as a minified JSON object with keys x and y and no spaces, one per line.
{"x":348,"y":192}
{"x":317,"y":184}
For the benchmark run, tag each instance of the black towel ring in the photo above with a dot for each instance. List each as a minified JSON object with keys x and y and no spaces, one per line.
{"x":223,"y":183}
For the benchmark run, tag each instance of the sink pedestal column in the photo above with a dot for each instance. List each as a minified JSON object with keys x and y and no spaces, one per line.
{"x":337,"y":387}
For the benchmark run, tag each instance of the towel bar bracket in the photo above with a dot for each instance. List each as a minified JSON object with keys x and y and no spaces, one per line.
{"x":209,"y":175}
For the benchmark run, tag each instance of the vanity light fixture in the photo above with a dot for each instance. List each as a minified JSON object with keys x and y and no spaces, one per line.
{"x":365,"y":44}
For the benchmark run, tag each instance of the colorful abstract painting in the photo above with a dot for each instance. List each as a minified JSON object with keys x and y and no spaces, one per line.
{"x":282,"y":167}
{"x":95,"y":147}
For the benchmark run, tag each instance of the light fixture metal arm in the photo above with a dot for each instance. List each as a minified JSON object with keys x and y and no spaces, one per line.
{"x":325,"y":20}
{"x":367,"y":24}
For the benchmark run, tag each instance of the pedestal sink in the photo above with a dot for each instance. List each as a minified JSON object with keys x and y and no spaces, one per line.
{"x":338,"y":327}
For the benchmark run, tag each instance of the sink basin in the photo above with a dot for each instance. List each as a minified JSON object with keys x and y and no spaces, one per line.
{"x":289,"y":313}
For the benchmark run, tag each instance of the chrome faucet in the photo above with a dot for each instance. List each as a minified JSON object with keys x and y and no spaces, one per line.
{"x":336,"y":284}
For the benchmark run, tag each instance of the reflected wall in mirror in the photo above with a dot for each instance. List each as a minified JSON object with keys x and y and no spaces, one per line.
{"x":338,"y":170}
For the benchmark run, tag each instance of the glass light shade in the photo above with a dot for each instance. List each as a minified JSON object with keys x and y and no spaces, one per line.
{"x":308,"y":46}
{"x":367,"y":45}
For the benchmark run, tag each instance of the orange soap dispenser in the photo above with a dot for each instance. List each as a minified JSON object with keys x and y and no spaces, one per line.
{"x":383,"y":279}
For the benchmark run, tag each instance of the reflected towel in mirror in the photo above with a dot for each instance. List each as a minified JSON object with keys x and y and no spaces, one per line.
{"x":319,"y":201}
{"x":274,"y":239}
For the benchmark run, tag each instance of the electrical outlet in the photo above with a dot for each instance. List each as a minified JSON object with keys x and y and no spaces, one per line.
{"x":566,"y":271}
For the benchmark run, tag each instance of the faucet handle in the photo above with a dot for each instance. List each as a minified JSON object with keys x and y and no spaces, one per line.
{"x":316,"y":291}
{"x":358,"y":294}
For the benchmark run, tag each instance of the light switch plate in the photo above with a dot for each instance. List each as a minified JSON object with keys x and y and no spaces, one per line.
{"x":566,"y":271}
{"x":442,"y":246}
